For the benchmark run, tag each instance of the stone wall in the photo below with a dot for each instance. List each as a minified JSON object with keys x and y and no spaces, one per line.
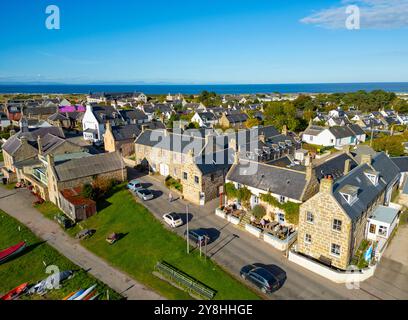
{"x":325,"y":209}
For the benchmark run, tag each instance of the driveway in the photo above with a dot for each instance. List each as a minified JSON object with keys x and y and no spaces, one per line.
{"x":233,"y":248}
{"x":18,"y":204}
{"x":390,"y":280}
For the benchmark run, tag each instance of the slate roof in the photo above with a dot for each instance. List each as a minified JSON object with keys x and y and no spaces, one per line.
{"x":57,"y":117}
{"x":367,"y":191}
{"x":401,"y":163}
{"x":274,"y":179}
{"x":334,"y":166}
{"x":93,"y":165}
{"x":313,"y":130}
{"x":237,"y":117}
{"x":169,"y":141}
{"x":50,"y":142}
{"x":130,"y":115}
{"x":341,"y":131}
{"x":103,"y":113}
{"x":14,"y":143}
{"x":40,"y":110}
{"x":207,"y":116}
{"x":356,"y":129}
{"x":212,"y":162}
{"x":126,"y":132}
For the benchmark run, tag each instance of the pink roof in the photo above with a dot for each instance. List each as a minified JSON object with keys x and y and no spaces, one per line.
{"x":78,"y":108}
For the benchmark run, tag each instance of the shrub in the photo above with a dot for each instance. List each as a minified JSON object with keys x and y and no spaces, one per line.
{"x":291,"y":209}
{"x":87,"y":191}
{"x":230,"y":190}
{"x":258,"y":211}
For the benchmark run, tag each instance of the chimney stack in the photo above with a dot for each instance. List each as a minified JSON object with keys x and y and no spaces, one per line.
{"x":285,"y":130}
{"x":326,"y":185}
{"x":365,"y":159}
{"x":39,"y":143}
{"x":347,"y":166}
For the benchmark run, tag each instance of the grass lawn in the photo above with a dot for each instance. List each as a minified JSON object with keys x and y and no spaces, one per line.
{"x":1,"y":157}
{"x":48,"y":209}
{"x":29,"y":267}
{"x":146,"y":241}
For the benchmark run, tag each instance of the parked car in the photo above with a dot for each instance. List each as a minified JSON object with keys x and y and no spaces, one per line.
{"x":134,"y":185}
{"x":260,"y":277}
{"x":173,"y":219}
{"x":85,"y":234}
{"x":144,"y":194}
{"x":64,"y":221}
{"x":198,"y":236}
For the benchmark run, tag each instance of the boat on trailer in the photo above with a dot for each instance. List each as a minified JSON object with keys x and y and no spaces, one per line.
{"x":15,"y":293}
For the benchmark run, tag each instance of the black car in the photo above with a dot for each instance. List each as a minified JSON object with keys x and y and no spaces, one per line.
{"x":198,"y":236}
{"x":260,"y":277}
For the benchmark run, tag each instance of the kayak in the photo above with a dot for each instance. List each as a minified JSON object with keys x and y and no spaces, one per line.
{"x":78,"y":293}
{"x":89,"y":296}
{"x":69,"y":296}
{"x":95,"y":296}
{"x":50,"y":282}
{"x":85,"y":293}
{"x":13,"y":250}
{"x":15,"y":293}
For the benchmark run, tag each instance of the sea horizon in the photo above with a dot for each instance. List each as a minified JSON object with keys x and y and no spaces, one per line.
{"x":291,"y":88}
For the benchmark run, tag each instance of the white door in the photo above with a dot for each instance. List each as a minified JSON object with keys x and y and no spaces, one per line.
{"x":164,"y":169}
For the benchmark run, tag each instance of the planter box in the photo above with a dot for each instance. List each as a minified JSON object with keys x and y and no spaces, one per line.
{"x":253,"y":230}
{"x":279,"y":244}
{"x":233,"y":220}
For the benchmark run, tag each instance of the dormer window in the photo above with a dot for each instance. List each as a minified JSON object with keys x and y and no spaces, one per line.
{"x":373,"y":176}
{"x":349,"y":193}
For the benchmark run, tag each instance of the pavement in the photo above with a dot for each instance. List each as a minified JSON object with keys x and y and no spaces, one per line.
{"x":390,"y":281}
{"x":18,"y":204}
{"x":234,"y":248}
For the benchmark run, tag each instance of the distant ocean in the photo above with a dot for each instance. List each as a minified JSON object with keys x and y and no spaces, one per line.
{"x":194,"y":89}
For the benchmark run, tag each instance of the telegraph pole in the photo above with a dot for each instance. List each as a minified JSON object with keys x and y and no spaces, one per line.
{"x":187,"y":235}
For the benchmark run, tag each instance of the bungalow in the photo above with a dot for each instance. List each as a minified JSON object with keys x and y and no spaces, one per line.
{"x":204,"y":119}
{"x":337,"y":136}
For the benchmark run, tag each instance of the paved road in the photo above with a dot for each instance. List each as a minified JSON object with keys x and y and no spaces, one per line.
{"x":234,"y":248}
{"x":18,"y":205}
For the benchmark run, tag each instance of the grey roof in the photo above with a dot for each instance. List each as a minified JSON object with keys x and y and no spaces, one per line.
{"x":313,"y":130}
{"x":103,"y":113}
{"x":215,"y":161}
{"x":57,"y":116}
{"x":356,"y":129}
{"x":14,"y":142}
{"x":207,"y":116}
{"x":129,"y":115}
{"x":334,"y":166}
{"x":126,"y":132}
{"x":237,"y":117}
{"x":341,"y":131}
{"x":401,"y":163}
{"x":94,"y":165}
{"x":40,"y":110}
{"x":50,"y":142}
{"x":277,"y":180}
{"x":367,"y":191}
{"x":169,"y":141}
{"x":385,"y":214}
{"x":362,"y":149}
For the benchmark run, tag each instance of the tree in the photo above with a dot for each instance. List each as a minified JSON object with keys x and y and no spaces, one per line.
{"x":252,"y":122}
{"x":259,"y":211}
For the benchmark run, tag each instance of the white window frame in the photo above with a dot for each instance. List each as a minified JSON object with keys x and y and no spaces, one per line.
{"x":310,"y":214}
{"x":334,"y":253}
{"x":308,"y":241}
{"x":336,"y":228}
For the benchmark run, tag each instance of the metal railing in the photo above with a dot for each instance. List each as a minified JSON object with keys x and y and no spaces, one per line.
{"x":185,"y":280}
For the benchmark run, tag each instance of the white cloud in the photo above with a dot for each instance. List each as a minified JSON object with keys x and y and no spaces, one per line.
{"x":375,"y":14}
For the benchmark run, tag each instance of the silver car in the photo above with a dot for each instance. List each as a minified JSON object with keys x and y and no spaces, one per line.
{"x":173,"y":219}
{"x":144,"y":194}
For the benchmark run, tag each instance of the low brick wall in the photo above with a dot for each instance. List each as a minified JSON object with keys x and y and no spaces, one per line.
{"x":328,"y":273}
{"x":253,"y":230}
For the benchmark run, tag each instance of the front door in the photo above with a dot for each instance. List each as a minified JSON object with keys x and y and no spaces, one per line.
{"x":202,"y":198}
{"x":164,"y":169}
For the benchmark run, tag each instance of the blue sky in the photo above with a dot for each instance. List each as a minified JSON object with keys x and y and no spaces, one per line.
{"x":211,"y":41}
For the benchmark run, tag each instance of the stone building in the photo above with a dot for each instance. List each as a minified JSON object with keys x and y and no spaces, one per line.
{"x":121,"y":138}
{"x":233,"y":120}
{"x":332,"y":223}
{"x":198,"y":164}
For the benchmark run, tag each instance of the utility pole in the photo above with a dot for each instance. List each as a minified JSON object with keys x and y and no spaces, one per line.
{"x":187,"y":235}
